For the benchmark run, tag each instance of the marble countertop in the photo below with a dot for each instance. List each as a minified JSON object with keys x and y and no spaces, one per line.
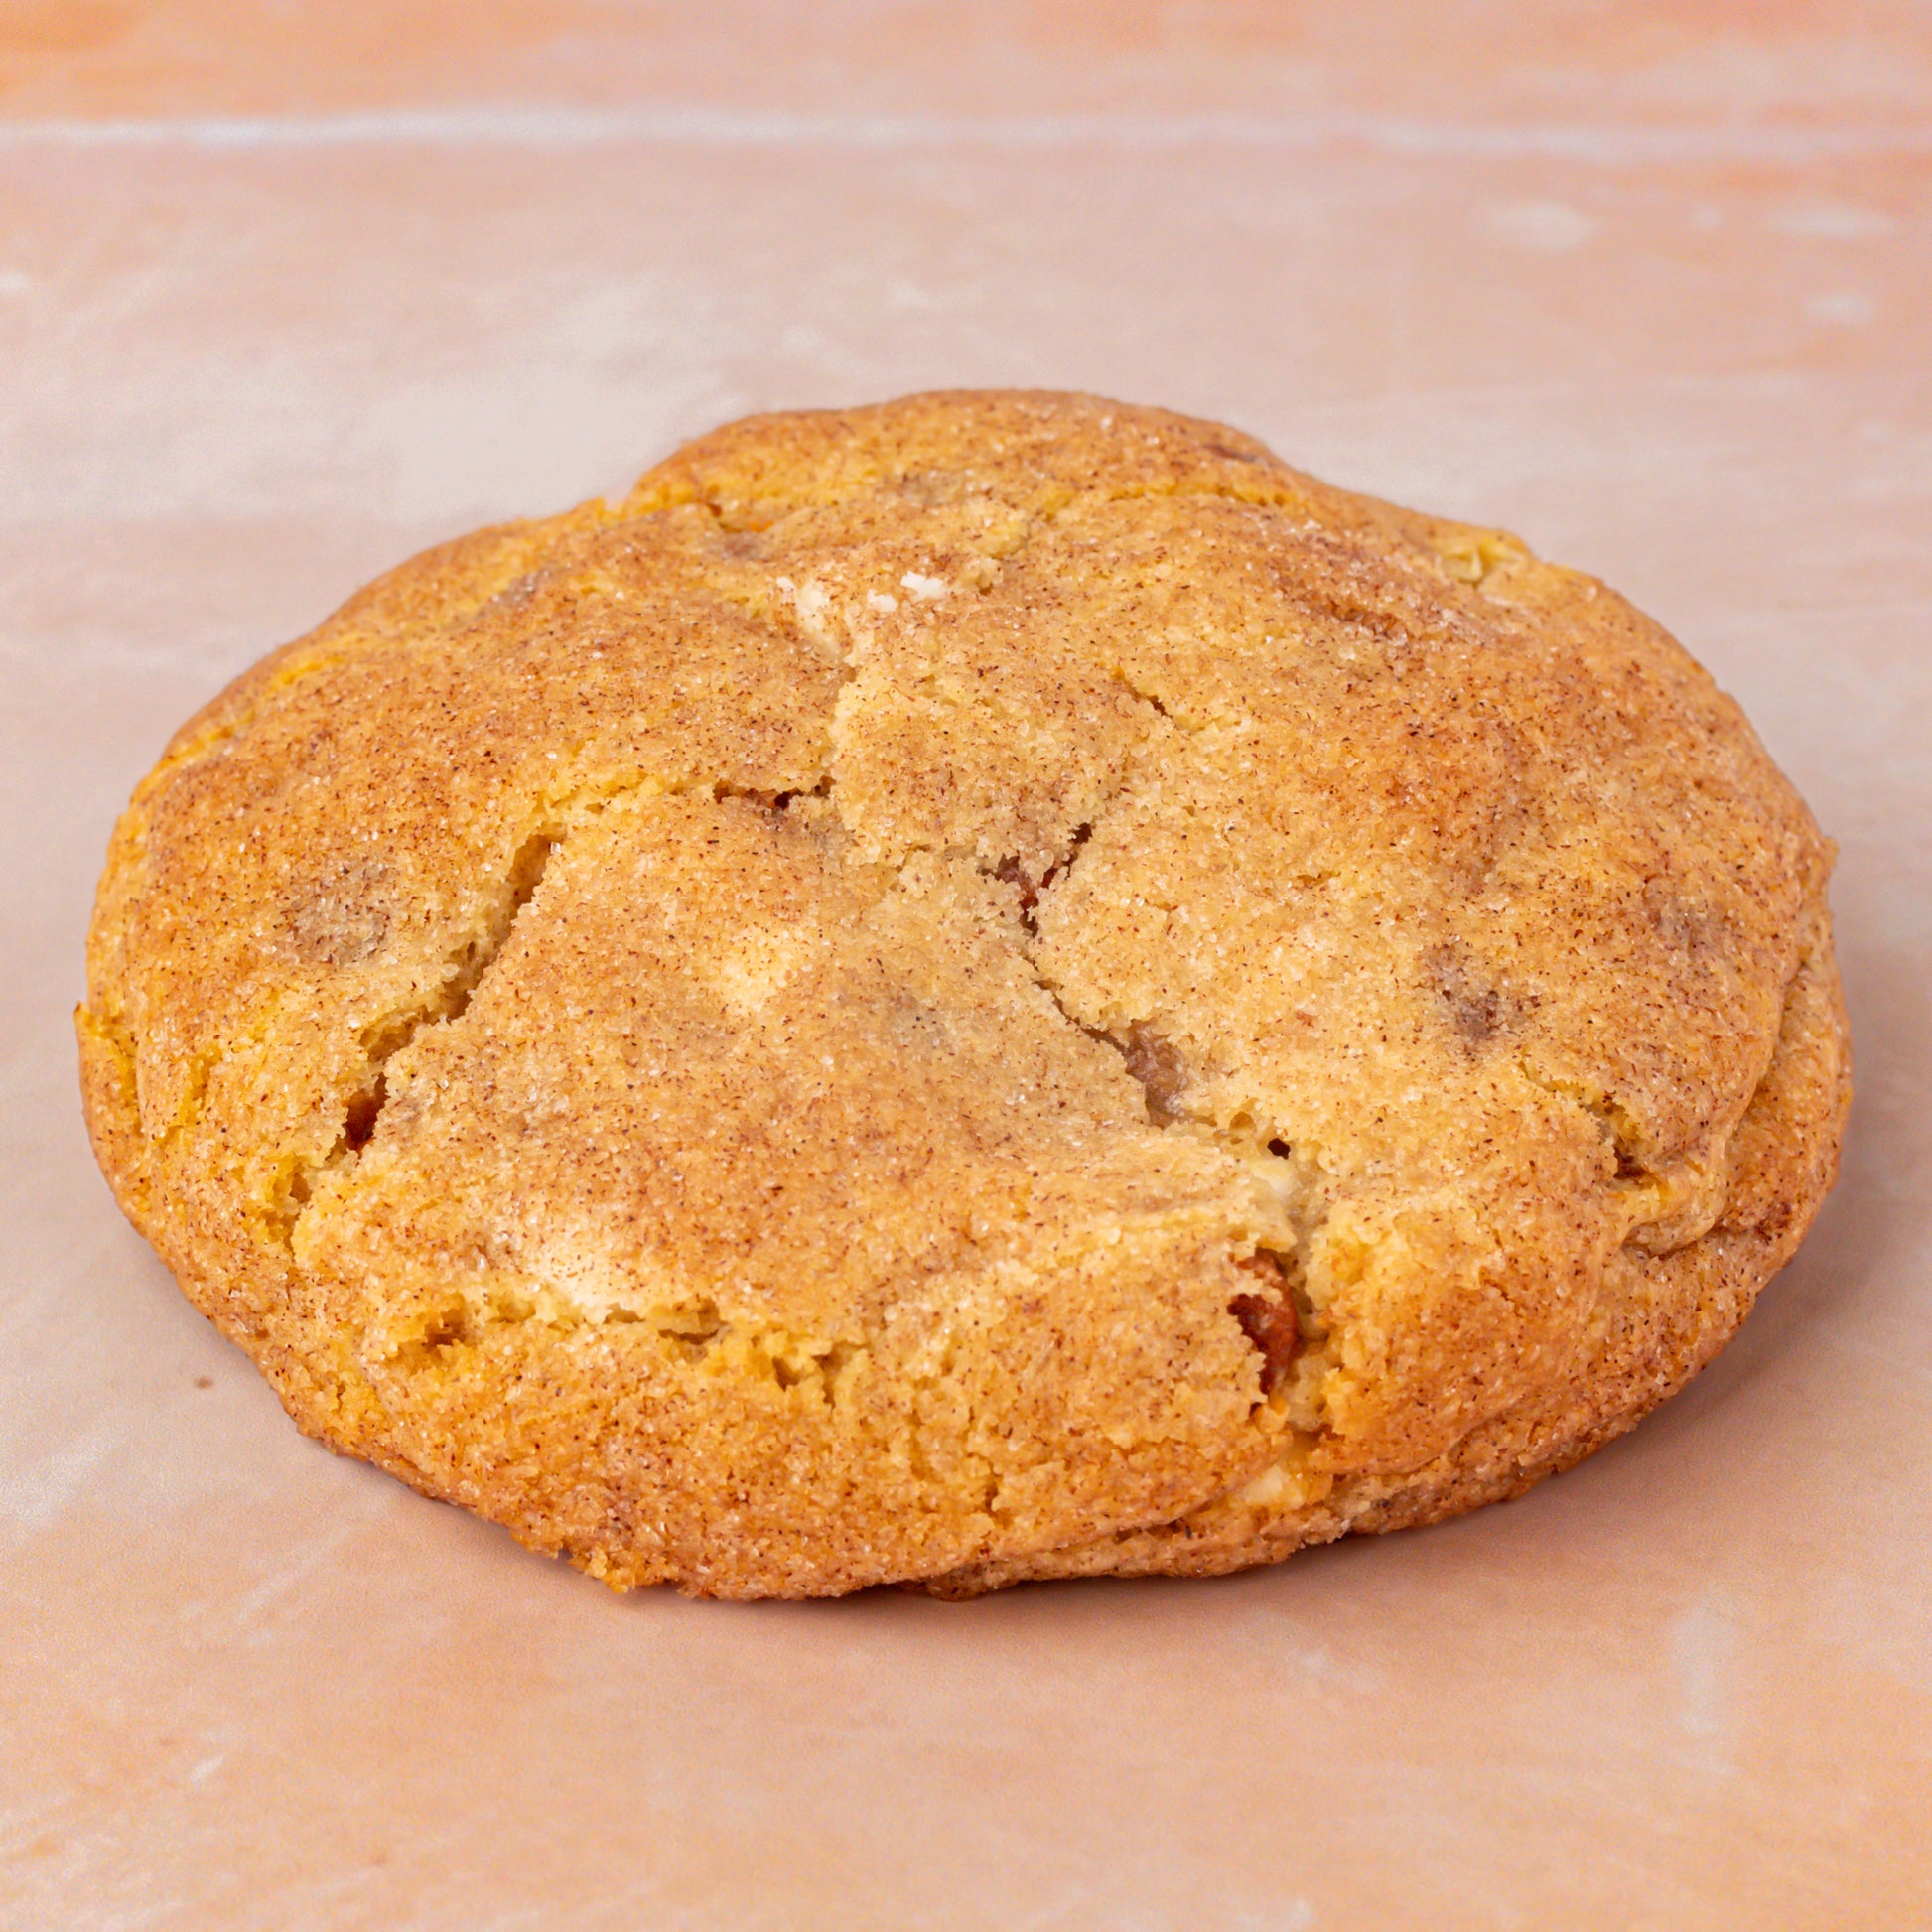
{"x":288,"y":291}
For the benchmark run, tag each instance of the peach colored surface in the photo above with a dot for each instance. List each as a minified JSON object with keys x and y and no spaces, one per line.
{"x":287,"y":291}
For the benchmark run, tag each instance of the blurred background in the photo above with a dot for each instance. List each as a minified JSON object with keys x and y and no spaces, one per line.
{"x":288,"y":291}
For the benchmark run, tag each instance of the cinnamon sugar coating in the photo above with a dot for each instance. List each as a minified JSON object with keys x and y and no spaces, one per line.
{"x":996,"y":986}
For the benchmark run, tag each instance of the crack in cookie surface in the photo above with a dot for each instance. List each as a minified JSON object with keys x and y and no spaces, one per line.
{"x":1648,"y":1343}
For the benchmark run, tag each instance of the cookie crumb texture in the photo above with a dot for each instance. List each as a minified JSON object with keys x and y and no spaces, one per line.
{"x":998,"y":986}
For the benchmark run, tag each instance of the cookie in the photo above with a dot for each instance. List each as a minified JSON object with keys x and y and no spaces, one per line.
{"x":993,"y":987}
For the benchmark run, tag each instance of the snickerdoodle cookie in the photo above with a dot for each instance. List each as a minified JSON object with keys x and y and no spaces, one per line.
{"x":997,"y":986}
